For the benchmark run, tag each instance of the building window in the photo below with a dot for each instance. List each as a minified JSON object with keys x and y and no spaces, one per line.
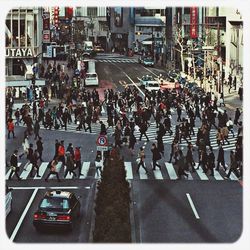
{"x":103,"y":26}
{"x":92,"y":12}
{"x":186,"y":11}
{"x":118,"y":15}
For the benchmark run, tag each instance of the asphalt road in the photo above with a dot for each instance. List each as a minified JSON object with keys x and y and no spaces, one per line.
{"x":161,"y":208}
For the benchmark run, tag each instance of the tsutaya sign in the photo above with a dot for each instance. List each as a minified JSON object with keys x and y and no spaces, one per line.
{"x":19,"y":52}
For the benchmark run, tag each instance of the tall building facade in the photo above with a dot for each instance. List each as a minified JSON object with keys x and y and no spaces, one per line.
{"x":23,"y":36}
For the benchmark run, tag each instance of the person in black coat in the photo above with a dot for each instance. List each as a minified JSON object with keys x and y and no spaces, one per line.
{"x":156,"y":156}
{"x":39,"y":147}
{"x":143,"y":130}
{"x":189,"y":157}
{"x":132,"y":141}
{"x":14,"y":166}
{"x":33,"y":161}
{"x":220,"y":158}
{"x":181,"y":165}
{"x":210,"y":161}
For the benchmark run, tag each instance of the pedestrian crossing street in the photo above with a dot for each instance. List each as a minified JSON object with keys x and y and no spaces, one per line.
{"x":151,"y":133}
{"x":88,"y":170}
{"x":117,"y":60}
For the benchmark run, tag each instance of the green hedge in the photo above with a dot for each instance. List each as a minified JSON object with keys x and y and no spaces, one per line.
{"x":112,"y":221}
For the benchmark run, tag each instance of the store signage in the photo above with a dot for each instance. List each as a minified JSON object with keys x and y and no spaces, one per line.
{"x":46,"y":36}
{"x":23,"y":52}
{"x":193,"y":22}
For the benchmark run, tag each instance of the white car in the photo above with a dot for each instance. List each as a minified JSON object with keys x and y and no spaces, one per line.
{"x":145,"y":80}
{"x":152,"y":86}
{"x":91,"y":79}
{"x":8,"y":200}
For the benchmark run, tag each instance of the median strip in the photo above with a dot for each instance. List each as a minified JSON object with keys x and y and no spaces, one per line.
{"x":193,"y":207}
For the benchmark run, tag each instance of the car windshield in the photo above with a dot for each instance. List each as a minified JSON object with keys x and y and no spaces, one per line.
{"x":153,"y":85}
{"x":53,"y":203}
{"x":91,"y":76}
{"x":147,"y":78}
{"x":148,"y":59}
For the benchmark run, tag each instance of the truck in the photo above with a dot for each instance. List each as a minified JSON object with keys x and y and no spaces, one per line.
{"x":91,"y":77}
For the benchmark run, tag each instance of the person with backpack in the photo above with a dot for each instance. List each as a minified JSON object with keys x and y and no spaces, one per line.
{"x":10,"y":128}
{"x":156,"y":156}
{"x":52,"y":166}
{"x":69,"y":165}
{"x":141,"y":160}
{"x":61,"y":153}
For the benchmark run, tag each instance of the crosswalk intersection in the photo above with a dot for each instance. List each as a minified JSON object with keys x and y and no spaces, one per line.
{"x":168,"y":171}
{"x":117,"y":60}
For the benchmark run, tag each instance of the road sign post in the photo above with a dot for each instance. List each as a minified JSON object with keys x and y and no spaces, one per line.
{"x":102,"y":144}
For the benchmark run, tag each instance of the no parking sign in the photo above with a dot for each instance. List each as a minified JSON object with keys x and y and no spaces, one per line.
{"x":102,"y":143}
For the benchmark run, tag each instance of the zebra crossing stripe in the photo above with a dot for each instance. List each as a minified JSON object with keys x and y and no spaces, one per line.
{"x":142,"y":173}
{"x":190,"y":177}
{"x":129,"y":172}
{"x":8,"y":173}
{"x":202,"y":175}
{"x":58,"y":167}
{"x":42,"y":170}
{"x":85,"y":169}
{"x":69,"y":176}
{"x":232,"y":176}
{"x":25,"y":173}
{"x":157,"y":173}
{"x":171,"y":171}
{"x":217,"y":176}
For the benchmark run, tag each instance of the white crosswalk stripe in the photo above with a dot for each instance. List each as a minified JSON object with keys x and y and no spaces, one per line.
{"x":117,"y":60}
{"x":157,"y":173}
{"x":129,"y":171}
{"x":8,"y":172}
{"x":169,"y":172}
{"x":85,"y":169}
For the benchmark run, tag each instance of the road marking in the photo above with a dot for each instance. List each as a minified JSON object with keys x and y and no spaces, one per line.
{"x":157,"y":173}
{"x":26,"y":172}
{"x":128,"y":168}
{"x":232,"y":176}
{"x":171,"y":171}
{"x":27,"y":188}
{"x":200,"y":173}
{"x":85,"y":169}
{"x":150,"y":71}
{"x":192,"y":206}
{"x":217,"y":176}
{"x":13,"y":235}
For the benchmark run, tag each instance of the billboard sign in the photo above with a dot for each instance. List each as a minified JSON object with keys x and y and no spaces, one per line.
{"x":193,"y":22}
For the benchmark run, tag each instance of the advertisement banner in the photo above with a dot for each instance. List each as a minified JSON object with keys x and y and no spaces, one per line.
{"x":193,"y":22}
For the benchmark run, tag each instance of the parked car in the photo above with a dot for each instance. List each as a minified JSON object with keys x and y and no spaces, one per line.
{"x":57,"y":208}
{"x":8,"y":200}
{"x":147,"y":79}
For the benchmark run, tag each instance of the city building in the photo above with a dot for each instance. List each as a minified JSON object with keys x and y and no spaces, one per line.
{"x":94,"y":22}
{"x":23,"y":40}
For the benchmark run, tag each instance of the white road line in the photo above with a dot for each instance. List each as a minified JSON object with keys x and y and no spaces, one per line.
{"x":27,"y":188}
{"x":42,"y":170}
{"x":13,"y":235}
{"x":192,"y":206}
{"x":217,"y":176}
{"x":171,"y":171}
{"x":26,"y":172}
{"x":190,"y":177}
{"x":157,"y":173}
{"x":232,"y":176}
{"x":129,"y":172}
{"x":85,"y":169}
{"x":199,"y":171}
{"x":150,"y":71}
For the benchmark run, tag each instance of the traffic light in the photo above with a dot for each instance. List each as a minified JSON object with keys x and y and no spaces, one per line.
{"x":56,"y":16}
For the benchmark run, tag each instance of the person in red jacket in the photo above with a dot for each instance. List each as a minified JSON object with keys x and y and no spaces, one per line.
{"x":77,"y":159}
{"x":10,"y":127}
{"x":61,"y":153}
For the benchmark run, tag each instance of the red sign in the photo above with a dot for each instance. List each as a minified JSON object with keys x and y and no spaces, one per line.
{"x":193,"y":22}
{"x":102,"y":140}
